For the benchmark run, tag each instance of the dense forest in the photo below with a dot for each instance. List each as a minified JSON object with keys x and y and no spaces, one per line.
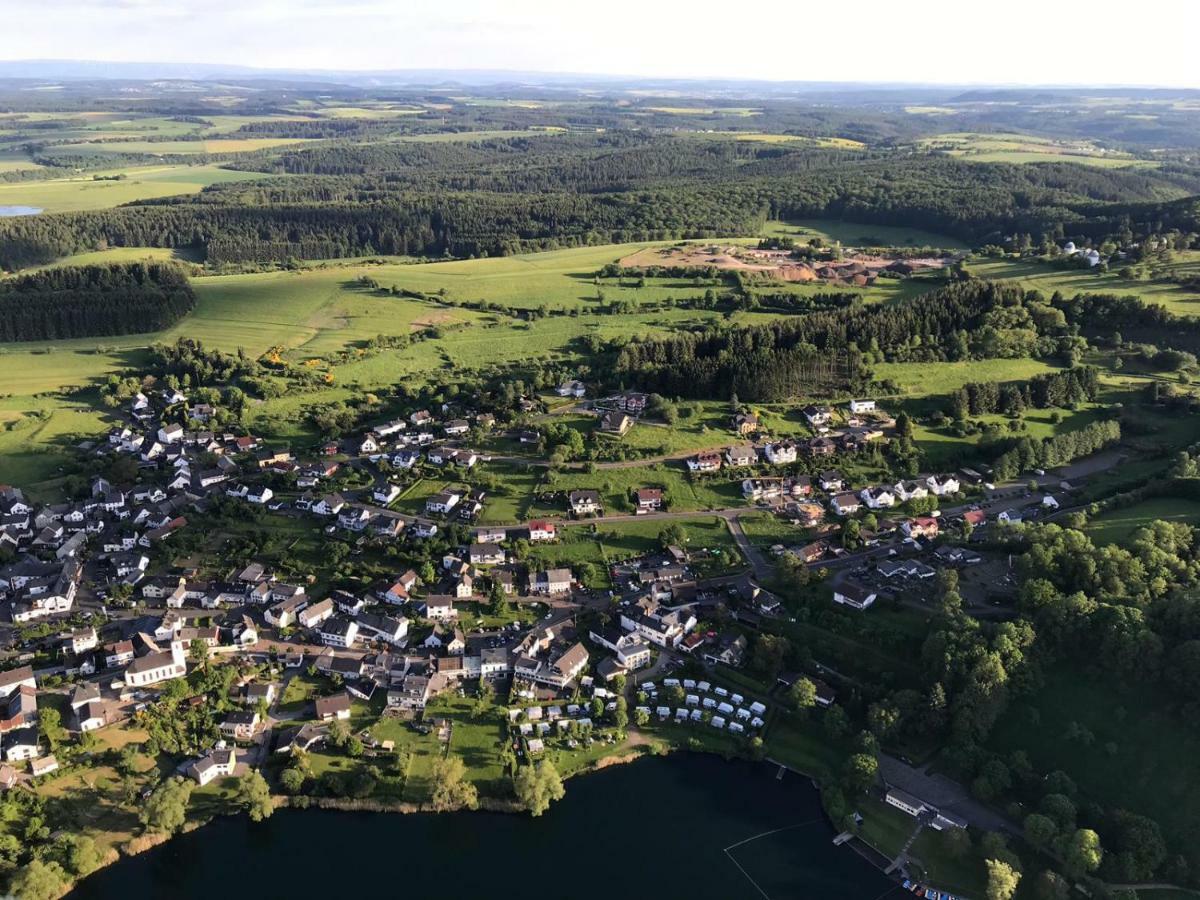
{"x":764,"y":362}
{"x":505,"y":196}
{"x":89,"y":301}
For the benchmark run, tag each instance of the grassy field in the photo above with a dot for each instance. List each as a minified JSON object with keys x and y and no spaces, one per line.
{"x":1037,"y":276}
{"x":1021,"y":148}
{"x":1117,"y":526}
{"x":921,"y":379}
{"x":1139,"y":756}
{"x":858,"y":234}
{"x":318,"y":311}
{"x":141,"y":183}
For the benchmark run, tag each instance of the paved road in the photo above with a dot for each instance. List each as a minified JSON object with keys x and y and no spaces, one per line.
{"x":761,"y":568}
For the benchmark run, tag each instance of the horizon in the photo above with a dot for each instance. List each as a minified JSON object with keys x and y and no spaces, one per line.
{"x":933,"y":43}
{"x":534,"y":77}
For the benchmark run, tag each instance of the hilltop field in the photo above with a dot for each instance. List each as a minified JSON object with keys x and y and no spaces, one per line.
{"x":321,"y":309}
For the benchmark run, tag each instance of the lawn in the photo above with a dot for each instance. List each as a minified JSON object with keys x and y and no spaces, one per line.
{"x":1116,"y":526}
{"x":708,"y":540}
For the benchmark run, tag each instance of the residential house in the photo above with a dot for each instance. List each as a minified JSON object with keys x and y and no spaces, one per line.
{"x":219,"y":763}
{"x":551,"y":581}
{"x":576,"y":389}
{"x":614,"y":422}
{"x":339,"y":631}
{"x":942,"y":485}
{"x":781,"y":453}
{"x":739,"y":457}
{"x":854,"y":595}
{"x":486,"y":555}
{"x":831,"y":480}
{"x":385,"y":492}
{"x":705,"y":462}
{"x":384,"y":628}
{"x":878,"y":497}
{"x":335,"y":706}
{"x":241,"y":724}
{"x":329,"y":505}
{"x":284,"y":614}
{"x":920,"y":527}
{"x":314,"y":614}
{"x":541,"y":530}
{"x":440,"y":608}
{"x":846,"y":504}
{"x":858,"y":407}
{"x":745,"y":423}
{"x":648,"y":499}
{"x":442,"y":502}
{"x":584,"y":502}
{"x":818,"y":416}
{"x":729,"y":649}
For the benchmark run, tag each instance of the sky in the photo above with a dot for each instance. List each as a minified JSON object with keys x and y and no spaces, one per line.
{"x":928,"y":41}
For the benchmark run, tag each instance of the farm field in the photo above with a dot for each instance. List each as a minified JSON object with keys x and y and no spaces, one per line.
{"x":1020,"y":148}
{"x":1117,"y":526}
{"x":82,"y":193}
{"x":1038,"y":276}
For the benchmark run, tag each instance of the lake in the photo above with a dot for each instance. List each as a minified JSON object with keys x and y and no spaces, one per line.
{"x":19,"y":211}
{"x":655,"y":828}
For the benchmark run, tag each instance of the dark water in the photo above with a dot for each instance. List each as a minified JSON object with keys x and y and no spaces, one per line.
{"x":655,"y":828}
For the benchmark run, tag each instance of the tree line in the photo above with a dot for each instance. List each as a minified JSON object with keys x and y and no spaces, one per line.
{"x":89,"y":301}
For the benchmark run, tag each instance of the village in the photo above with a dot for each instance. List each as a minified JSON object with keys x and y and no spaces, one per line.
{"x":104,"y":615}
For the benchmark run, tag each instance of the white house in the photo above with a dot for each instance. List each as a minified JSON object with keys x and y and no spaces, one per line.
{"x":846,"y":504}
{"x":877,"y":497}
{"x":220,"y":763}
{"x":314,"y":615}
{"x":551,"y":581}
{"x":862,"y":406}
{"x":385,"y":492}
{"x":783,"y":453}
{"x":440,"y":608}
{"x":941,"y":485}
{"x":540,"y":530}
{"x":817,"y":416}
{"x":442,"y":502}
{"x":170,"y":434}
{"x":854,"y":595}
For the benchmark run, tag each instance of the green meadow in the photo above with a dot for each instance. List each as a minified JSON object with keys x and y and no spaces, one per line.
{"x":1047,"y":279}
{"x":1117,"y":526}
{"x":859,"y":234}
{"x":83,"y":192}
{"x":1021,"y":148}
{"x":1130,"y":749}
